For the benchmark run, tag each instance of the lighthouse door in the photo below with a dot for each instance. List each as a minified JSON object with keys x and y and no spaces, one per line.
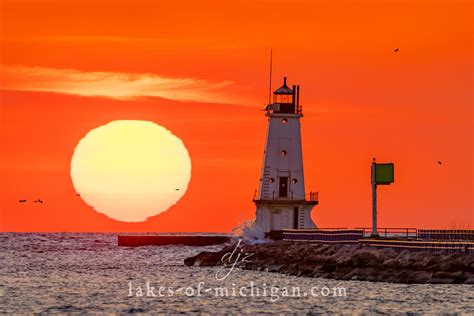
{"x":295,"y":217}
{"x":283,"y":187}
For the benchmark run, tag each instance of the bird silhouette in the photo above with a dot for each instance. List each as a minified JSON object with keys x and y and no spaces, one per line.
{"x":396,"y":50}
{"x":38,"y":201}
{"x":22,"y":201}
{"x":176,"y":189}
{"x":439,"y":163}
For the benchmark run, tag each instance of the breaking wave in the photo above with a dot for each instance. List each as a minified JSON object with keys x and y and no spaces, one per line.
{"x":250,"y":233}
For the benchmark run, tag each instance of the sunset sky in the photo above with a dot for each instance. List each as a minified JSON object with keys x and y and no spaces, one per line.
{"x":200,"y":69}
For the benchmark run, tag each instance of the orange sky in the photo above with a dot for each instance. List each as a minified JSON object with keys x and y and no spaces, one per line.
{"x":200,"y":68}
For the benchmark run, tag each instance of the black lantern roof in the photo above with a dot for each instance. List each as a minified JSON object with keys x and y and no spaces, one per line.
{"x":284,"y":89}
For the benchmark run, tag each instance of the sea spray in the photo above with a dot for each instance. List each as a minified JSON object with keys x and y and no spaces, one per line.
{"x":249,"y":233}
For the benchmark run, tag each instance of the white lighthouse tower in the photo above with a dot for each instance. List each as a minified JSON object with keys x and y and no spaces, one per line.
{"x":281,"y":199}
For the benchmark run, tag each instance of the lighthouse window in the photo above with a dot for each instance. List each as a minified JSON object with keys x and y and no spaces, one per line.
{"x":283,"y":152}
{"x":294,"y":180}
{"x":271,"y":180}
{"x":284,"y":121}
{"x":282,"y":98}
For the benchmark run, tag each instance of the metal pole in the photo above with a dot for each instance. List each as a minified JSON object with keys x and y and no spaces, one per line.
{"x":374,"y":202}
{"x":270,"y":85}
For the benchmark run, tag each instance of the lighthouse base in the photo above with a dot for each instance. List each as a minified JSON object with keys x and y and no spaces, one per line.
{"x":278,"y":215}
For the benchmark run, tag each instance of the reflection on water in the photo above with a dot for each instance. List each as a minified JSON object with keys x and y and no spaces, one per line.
{"x":72,"y":272}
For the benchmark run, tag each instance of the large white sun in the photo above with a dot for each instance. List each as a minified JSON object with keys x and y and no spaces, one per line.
{"x":130,"y":170}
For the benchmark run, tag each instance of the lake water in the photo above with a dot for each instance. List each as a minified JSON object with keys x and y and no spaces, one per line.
{"x":72,"y":272}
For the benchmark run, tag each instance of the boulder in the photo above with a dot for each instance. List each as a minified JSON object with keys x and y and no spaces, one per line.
{"x":391,"y":263}
{"x":204,"y":259}
{"x":469,"y":281}
{"x":274,"y":268}
{"x":420,"y":277}
{"x":363,"y":258}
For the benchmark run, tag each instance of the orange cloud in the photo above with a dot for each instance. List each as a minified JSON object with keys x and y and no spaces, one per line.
{"x":117,"y":85}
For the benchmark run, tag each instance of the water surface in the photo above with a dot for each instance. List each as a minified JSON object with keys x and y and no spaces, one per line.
{"x":71,"y":272}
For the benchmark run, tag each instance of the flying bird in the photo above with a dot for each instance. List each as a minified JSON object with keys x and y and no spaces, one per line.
{"x":22,"y":201}
{"x":396,"y":50}
{"x":38,"y":201}
{"x":177,"y":189}
{"x":439,"y":163}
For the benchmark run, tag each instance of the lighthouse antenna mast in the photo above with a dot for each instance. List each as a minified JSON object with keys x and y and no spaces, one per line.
{"x":270,"y":84}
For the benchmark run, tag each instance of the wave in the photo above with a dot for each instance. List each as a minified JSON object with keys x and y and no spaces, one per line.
{"x":249,"y":233}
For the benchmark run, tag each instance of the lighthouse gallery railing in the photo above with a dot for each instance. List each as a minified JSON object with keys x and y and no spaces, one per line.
{"x":311,"y":196}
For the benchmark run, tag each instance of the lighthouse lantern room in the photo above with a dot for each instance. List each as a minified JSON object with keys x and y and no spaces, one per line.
{"x":281,"y":200}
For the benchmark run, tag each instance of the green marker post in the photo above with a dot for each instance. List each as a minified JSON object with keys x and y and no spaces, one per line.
{"x":382,"y":173}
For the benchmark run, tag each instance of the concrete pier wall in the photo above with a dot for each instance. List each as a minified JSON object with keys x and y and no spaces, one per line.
{"x":329,"y":236}
{"x":446,"y":234}
{"x":422,"y":245}
{"x":162,"y":240}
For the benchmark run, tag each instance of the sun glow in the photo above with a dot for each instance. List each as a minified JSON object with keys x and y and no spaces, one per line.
{"x":130,"y":170}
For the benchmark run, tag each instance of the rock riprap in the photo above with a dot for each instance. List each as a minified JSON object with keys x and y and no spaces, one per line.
{"x":344,"y":262}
